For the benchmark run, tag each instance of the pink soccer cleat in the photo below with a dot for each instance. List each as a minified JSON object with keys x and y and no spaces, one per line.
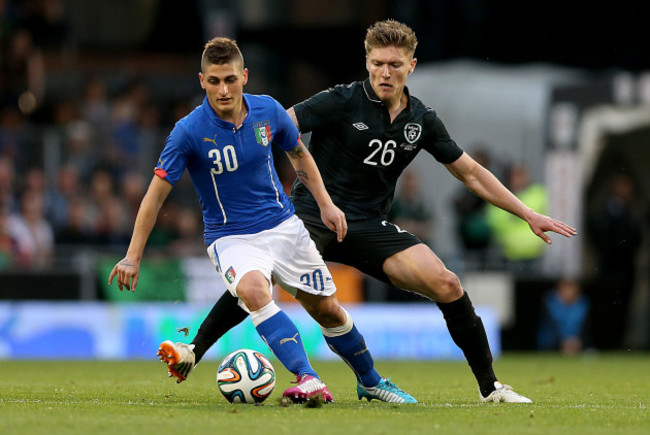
{"x":308,"y":387}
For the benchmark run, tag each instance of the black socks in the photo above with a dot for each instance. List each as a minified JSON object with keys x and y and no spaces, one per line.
{"x":225,"y":315}
{"x":468,"y":332}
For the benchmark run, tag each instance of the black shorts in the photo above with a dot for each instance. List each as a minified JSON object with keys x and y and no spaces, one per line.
{"x":366,"y":246}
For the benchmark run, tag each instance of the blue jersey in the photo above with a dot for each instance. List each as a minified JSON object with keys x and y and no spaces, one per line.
{"x":232,"y":168}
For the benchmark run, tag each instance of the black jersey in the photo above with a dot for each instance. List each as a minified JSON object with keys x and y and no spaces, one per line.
{"x":360,"y":153}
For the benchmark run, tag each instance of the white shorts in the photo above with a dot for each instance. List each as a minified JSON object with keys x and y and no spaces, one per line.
{"x":285,"y":252}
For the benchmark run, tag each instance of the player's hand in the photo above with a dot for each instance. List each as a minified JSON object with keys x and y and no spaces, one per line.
{"x":127,"y":272}
{"x":334,"y":218}
{"x":540,"y":224}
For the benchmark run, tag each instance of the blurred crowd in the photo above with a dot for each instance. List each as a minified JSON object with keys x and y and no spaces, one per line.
{"x":74,"y":168}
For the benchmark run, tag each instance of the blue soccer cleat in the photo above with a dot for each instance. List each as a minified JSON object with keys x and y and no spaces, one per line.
{"x":385,"y":391}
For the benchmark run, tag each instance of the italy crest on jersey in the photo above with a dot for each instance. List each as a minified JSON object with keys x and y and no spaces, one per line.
{"x":262,"y":132}
{"x":412,"y":132}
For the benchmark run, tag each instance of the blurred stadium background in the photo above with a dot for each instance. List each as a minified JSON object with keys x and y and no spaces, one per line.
{"x":89,"y":91}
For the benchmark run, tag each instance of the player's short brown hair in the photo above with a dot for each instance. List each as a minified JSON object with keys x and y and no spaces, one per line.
{"x":219,"y":51}
{"x":389,"y":33}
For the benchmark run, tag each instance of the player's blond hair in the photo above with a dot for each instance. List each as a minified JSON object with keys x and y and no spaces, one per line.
{"x":219,"y":51}
{"x":389,"y":33}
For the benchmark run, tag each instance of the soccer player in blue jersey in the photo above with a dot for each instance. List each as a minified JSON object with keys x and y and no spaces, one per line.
{"x":251,"y":231}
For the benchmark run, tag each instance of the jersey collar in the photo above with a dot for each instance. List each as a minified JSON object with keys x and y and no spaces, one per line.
{"x":370,"y":93}
{"x":372,"y":96}
{"x":220,"y":122}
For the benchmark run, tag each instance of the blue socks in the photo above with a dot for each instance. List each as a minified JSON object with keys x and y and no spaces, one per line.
{"x":283,"y":338}
{"x":348,"y":343}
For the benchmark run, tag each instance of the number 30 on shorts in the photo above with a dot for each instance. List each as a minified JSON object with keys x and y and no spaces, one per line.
{"x":314,"y":280}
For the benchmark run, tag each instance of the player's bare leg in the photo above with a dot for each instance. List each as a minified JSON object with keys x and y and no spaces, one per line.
{"x":419,"y":270}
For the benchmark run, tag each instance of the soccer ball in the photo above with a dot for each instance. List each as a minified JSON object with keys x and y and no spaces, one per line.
{"x":245,"y":376}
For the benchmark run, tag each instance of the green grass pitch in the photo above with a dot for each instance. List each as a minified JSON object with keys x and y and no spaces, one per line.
{"x":592,"y":394}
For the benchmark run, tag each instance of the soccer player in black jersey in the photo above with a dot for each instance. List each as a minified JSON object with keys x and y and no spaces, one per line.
{"x":363,"y":135}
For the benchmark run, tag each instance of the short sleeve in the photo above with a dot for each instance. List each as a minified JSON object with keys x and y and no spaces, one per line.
{"x":321,"y":109}
{"x":438,"y":142}
{"x":173,"y":159}
{"x":286,"y":134}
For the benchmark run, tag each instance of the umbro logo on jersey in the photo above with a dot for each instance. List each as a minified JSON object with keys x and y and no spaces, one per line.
{"x":360,"y":126}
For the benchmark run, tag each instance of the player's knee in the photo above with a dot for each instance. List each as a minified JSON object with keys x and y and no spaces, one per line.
{"x":253,"y":291}
{"x":449,"y":288}
{"x":443,"y":287}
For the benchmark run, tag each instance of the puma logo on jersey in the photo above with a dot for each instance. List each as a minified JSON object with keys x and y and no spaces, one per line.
{"x":213,"y":140}
{"x":360,"y":126}
{"x":294,"y":339}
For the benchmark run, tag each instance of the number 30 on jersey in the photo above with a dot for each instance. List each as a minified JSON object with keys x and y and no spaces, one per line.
{"x":227,"y":157}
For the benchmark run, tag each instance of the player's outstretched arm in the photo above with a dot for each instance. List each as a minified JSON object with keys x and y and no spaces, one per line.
{"x":127,"y":270}
{"x":307,"y":171}
{"x":484,"y":184}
